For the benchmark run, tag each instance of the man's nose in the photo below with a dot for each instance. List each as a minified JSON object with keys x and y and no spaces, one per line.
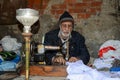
{"x":67,"y":27}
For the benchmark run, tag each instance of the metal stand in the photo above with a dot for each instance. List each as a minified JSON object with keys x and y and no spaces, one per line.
{"x":27,"y":37}
{"x":27,"y":17}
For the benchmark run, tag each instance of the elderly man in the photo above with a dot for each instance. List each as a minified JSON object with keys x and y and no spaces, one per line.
{"x":72,"y":43}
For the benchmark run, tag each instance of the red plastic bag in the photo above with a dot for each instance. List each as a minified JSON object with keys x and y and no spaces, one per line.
{"x":105,"y":50}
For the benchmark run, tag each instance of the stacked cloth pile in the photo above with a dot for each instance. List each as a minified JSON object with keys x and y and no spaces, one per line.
{"x":109,"y":56}
{"x":79,"y":71}
{"x":10,"y":54}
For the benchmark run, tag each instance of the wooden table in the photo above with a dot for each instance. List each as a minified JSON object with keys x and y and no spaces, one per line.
{"x":44,"y":70}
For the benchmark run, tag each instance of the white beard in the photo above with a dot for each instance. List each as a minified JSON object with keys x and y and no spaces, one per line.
{"x":65,"y":35}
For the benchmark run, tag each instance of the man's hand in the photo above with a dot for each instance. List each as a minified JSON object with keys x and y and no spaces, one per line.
{"x":73,"y":59}
{"x":59,"y":60}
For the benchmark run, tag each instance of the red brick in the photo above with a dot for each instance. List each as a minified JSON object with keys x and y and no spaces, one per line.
{"x":81,"y":15}
{"x":69,"y":1}
{"x":29,"y":6}
{"x":71,"y":6}
{"x":37,"y":1}
{"x":43,"y":6}
{"x":82,"y":5}
{"x":88,"y":0}
{"x":45,"y":2}
{"x":77,"y":10}
{"x":34,"y":3}
{"x":96,"y":3}
{"x":59,"y":6}
{"x":59,"y":11}
{"x":84,"y":15}
{"x":30,"y":3}
{"x":88,"y":15}
{"x":92,"y":10}
{"x":36,"y":6}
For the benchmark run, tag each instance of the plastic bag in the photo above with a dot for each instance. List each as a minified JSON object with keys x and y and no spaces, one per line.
{"x":109,"y":49}
{"x":10,"y":44}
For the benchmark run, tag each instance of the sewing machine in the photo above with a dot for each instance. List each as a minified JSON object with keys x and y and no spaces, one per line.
{"x":38,"y":50}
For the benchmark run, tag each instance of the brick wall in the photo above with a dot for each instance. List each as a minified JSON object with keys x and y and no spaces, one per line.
{"x":78,"y":8}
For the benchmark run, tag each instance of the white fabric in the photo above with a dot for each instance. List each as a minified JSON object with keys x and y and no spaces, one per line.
{"x":77,"y":67}
{"x":103,"y":63}
{"x":79,"y":71}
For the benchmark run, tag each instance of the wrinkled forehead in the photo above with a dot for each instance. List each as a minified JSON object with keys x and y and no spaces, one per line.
{"x":67,"y":22}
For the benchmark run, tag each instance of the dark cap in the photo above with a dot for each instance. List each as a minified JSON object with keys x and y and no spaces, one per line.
{"x":66,"y":17}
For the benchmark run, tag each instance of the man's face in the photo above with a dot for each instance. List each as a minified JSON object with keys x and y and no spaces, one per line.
{"x":66,"y":28}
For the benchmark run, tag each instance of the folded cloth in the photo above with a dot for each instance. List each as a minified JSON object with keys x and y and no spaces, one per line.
{"x":103,"y":63}
{"x":77,"y":67}
{"x":79,"y":71}
{"x":7,"y":66}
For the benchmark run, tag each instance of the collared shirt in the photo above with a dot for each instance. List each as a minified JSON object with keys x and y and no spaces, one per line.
{"x":65,"y":44}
